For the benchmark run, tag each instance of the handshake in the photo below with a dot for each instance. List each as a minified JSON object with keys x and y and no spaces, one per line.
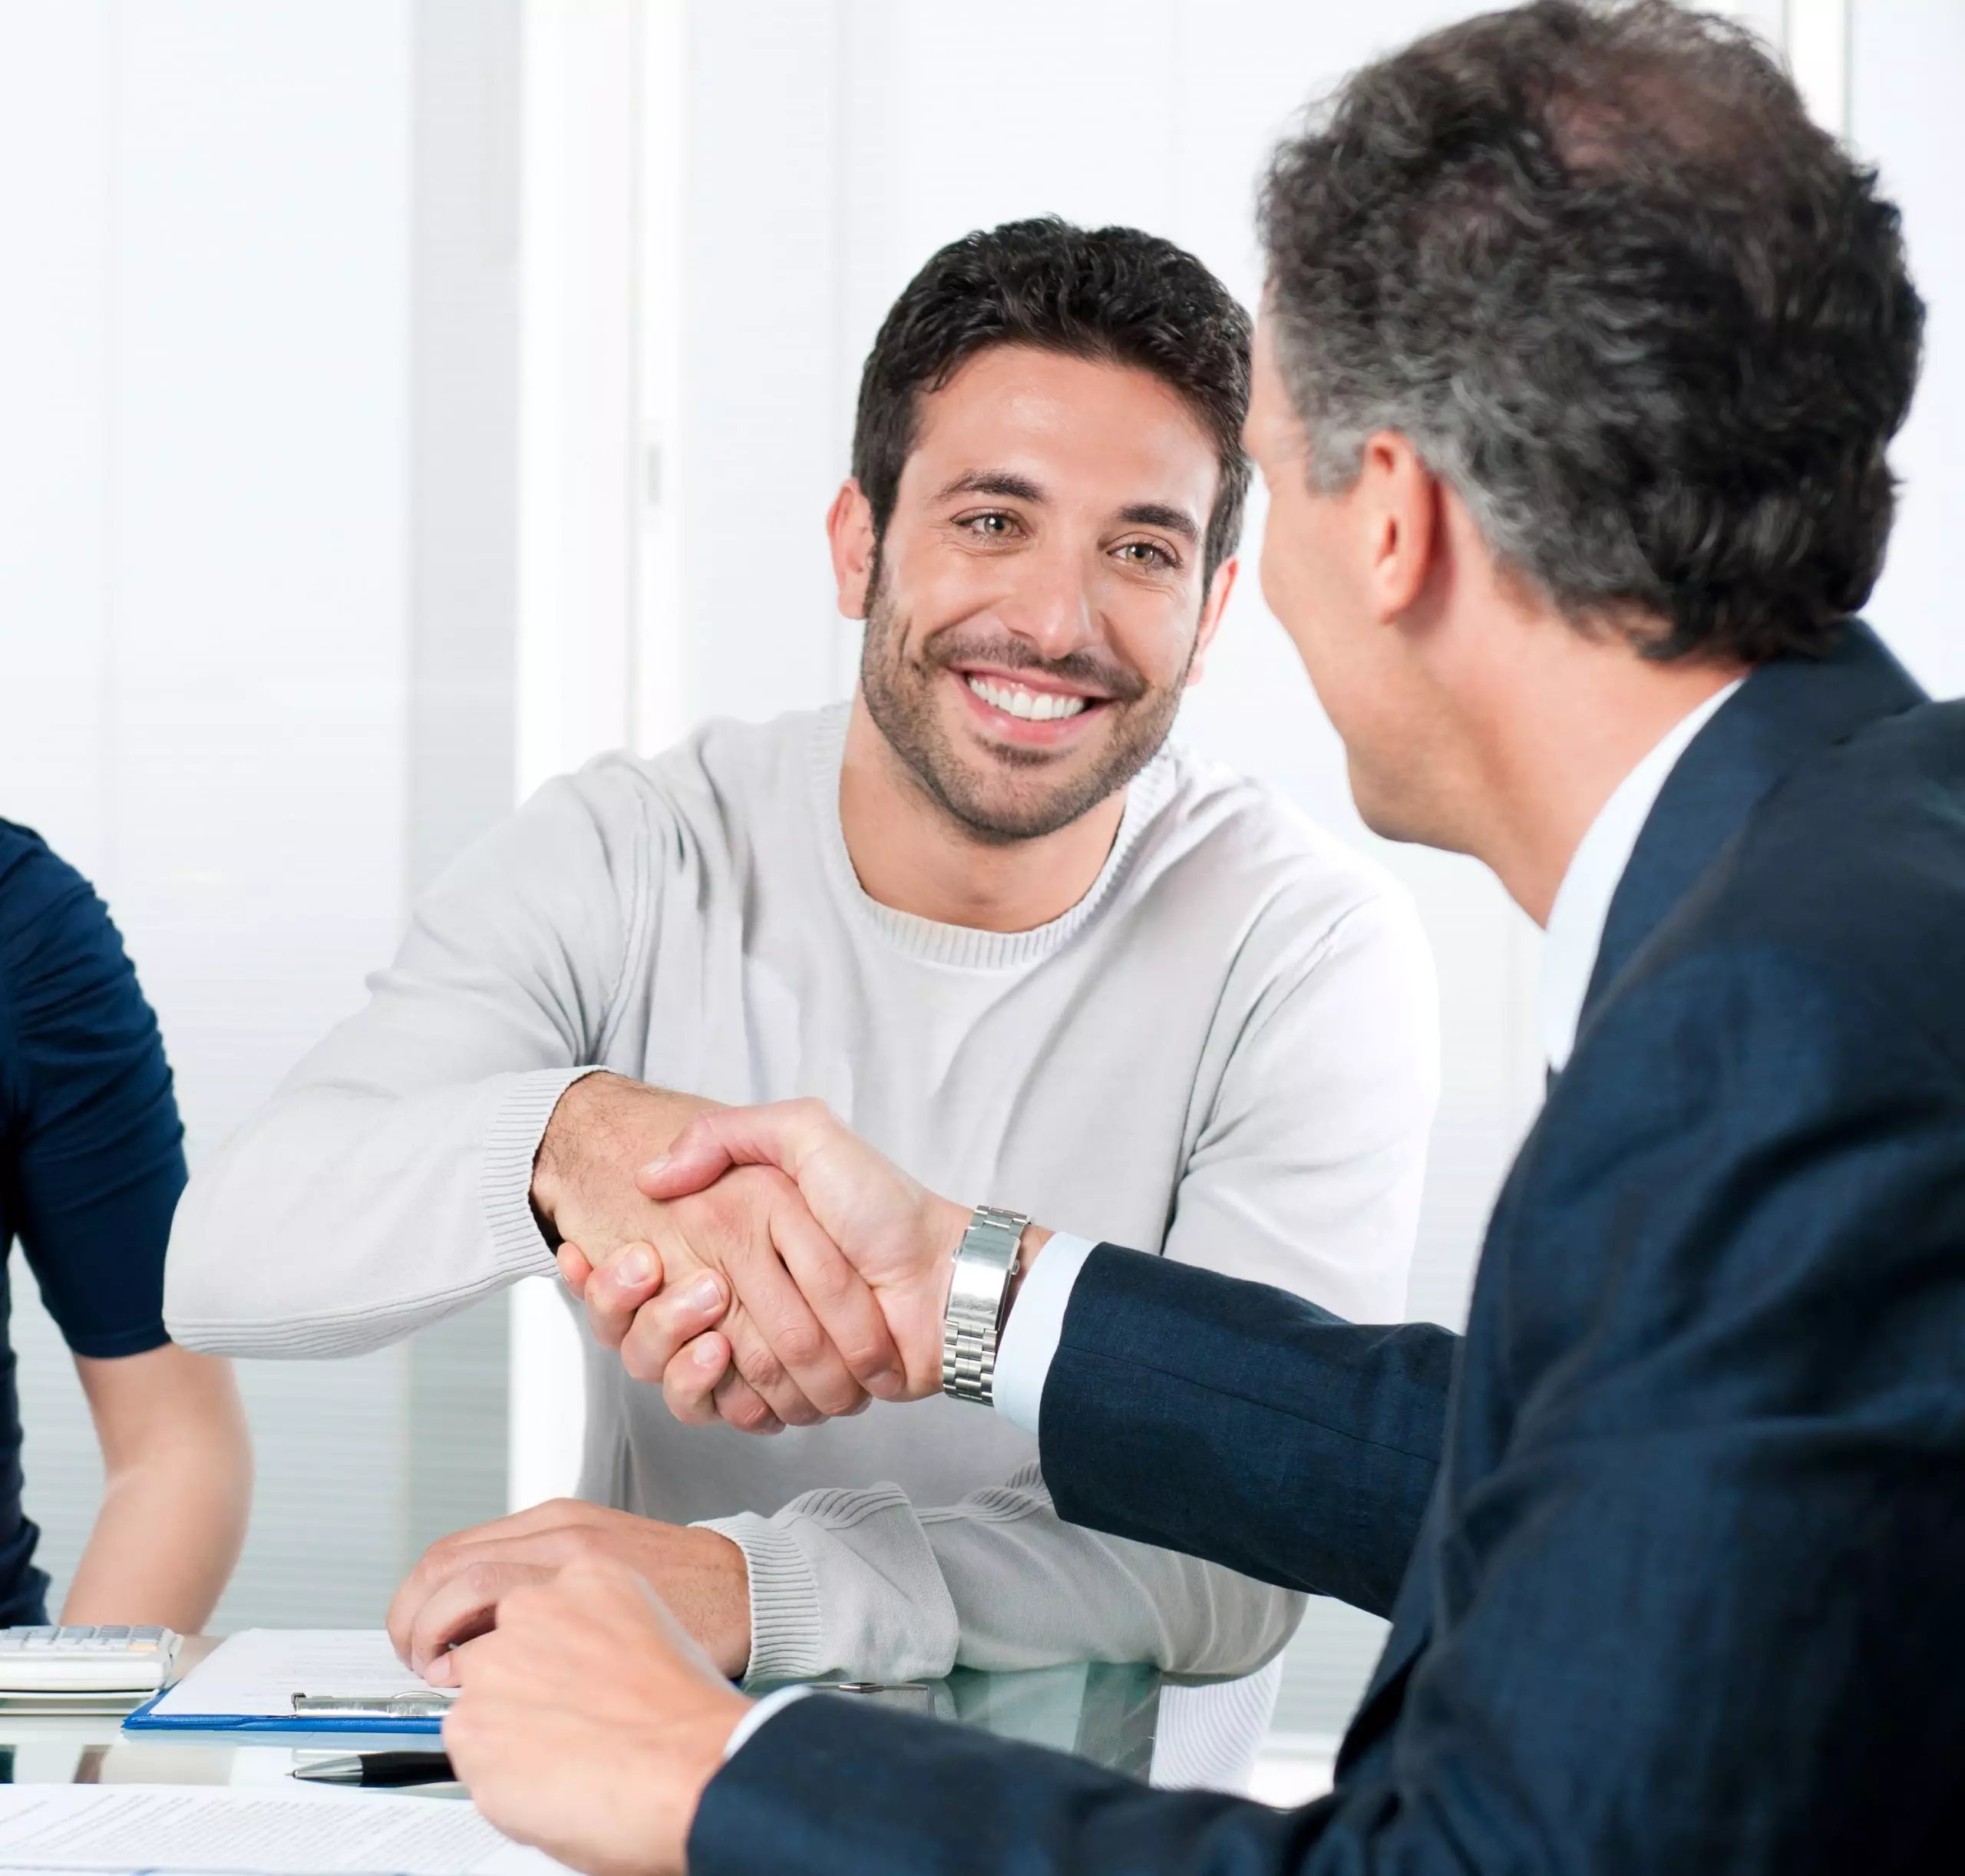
{"x":765,"y":1267}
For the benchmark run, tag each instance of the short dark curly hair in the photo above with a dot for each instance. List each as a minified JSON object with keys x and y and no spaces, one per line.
{"x":1655,"y":326}
{"x":1106,"y":293}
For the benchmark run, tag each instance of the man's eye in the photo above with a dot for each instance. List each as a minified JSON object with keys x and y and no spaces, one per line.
{"x":998,"y":527}
{"x":1146,"y":553}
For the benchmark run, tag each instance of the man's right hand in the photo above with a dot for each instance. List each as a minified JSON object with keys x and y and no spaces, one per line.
{"x":899,"y":1237}
{"x":803,"y":1337}
{"x":454,"y":1593}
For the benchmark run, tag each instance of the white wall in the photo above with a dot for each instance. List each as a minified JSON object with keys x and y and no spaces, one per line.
{"x":1907,"y":75}
{"x":222,"y":690}
{"x":204,"y":600}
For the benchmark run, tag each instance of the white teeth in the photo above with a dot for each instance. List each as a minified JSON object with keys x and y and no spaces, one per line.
{"x":1035,"y":706}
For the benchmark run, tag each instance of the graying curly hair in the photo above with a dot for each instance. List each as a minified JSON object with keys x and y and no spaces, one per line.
{"x":1656,"y":327}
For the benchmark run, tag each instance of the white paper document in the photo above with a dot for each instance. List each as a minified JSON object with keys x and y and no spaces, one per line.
{"x":258,"y":1671}
{"x":215,"y":1831}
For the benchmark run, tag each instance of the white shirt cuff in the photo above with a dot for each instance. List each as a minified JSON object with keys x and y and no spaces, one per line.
{"x":769,"y":1708}
{"x":1030,"y":1337}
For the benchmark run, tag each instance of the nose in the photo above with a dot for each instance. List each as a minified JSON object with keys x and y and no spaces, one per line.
{"x":1052,"y":604}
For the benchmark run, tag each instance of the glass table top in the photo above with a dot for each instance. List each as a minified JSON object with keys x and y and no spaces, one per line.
{"x":1103,"y":1713}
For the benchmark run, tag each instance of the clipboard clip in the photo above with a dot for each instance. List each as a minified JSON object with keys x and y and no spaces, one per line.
{"x":431,"y":1706}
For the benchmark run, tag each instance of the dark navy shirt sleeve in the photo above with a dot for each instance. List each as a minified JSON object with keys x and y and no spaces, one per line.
{"x":91,"y":1150}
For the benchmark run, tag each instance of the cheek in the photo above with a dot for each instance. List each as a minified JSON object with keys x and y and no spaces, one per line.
{"x":1153,"y":634}
{"x":929,"y":585}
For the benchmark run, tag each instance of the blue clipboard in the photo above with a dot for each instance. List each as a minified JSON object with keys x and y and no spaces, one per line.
{"x":145,"y":1720}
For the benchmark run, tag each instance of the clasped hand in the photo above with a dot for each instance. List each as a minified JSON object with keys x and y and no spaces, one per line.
{"x":778,"y":1270}
{"x":767,"y":1269}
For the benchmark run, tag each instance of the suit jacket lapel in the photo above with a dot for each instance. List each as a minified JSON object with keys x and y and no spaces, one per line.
{"x":1783,"y":712}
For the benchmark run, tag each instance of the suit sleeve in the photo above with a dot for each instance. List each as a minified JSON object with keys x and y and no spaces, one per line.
{"x":1701,"y":1613}
{"x":1243,"y":1425}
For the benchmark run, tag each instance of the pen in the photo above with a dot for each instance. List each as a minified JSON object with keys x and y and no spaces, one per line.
{"x":391,"y":1769}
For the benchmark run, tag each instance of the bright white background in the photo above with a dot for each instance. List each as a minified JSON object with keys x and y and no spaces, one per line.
{"x":406,"y":399}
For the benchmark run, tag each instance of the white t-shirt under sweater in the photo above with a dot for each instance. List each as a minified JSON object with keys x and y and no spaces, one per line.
{"x":1226,"y":1052}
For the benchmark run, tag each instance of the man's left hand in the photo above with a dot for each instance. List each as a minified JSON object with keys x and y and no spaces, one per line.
{"x":456,"y":1591}
{"x":590,"y":1723}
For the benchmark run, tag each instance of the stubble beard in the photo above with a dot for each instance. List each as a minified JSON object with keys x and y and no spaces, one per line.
{"x":899,"y":690}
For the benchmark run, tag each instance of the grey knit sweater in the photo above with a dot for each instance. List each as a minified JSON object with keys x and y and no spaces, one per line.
{"x":1226,"y":1052}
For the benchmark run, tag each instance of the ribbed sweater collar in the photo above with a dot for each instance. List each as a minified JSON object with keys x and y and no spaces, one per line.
{"x":964,"y":947}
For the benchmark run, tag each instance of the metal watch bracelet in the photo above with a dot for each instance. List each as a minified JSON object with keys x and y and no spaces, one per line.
{"x":984,"y":1262}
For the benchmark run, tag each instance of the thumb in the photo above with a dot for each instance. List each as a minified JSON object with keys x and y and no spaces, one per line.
{"x":696,"y":1158}
{"x":781,"y":1134}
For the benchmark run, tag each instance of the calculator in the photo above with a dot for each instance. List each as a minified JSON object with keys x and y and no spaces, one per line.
{"x":87,"y":1658}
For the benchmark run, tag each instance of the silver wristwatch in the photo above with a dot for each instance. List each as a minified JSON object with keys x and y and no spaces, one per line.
{"x":984,"y":1262}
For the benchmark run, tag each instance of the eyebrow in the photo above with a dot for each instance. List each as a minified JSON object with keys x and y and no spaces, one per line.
{"x":993,"y":482}
{"x":1156,"y":514}
{"x":1012,"y":487}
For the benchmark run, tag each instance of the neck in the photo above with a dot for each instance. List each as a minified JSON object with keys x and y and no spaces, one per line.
{"x":1569,"y":721}
{"x":912,"y":854}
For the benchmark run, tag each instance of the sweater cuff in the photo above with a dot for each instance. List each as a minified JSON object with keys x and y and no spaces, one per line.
{"x":787,"y":1636}
{"x":518,"y":1248}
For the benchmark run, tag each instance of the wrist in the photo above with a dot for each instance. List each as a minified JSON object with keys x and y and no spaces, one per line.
{"x":603,"y":1125}
{"x":1035,"y":1237}
{"x":995,"y":1250}
{"x":728,"y":1641}
{"x":705,"y":1744}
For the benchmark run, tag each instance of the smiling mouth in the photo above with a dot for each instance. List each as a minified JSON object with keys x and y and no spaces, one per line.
{"x":1032,"y":706}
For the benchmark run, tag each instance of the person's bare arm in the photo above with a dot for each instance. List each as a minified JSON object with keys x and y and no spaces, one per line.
{"x":177,"y":1485}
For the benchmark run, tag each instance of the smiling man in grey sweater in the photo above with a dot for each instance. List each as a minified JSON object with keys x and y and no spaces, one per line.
{"x":975,"y":906}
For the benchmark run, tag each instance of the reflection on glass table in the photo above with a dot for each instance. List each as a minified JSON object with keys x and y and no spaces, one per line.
{"x":1103,"y":1713}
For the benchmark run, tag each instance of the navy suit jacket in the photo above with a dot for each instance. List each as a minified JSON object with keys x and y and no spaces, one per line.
{"x":1673,"y":1542}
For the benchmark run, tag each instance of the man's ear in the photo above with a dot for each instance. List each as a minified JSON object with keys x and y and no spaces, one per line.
{"x":849,"y":529}
{"x":1211,"y":609}
{"x":1397,"y":500}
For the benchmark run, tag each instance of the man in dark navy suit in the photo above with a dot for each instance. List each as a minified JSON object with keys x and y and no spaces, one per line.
{"x":1579,"y":356}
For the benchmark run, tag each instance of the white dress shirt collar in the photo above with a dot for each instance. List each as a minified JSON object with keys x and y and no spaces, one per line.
{"x":1575,"y":931}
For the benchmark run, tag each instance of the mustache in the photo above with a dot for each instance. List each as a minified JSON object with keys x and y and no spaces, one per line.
{"x":951,"y":645}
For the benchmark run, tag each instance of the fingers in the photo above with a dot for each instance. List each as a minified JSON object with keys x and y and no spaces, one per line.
{"x":574,"y":1268}
{"x":465,"y":1606}
{"x":702,"y":1388}
{"x":779,"y":1134}
{"x":616,"y":1290}
{"x":777,"y":1342}
{"x":669,"y":1323}
{"x":588,"y":1723}
{"x":738,"y":1405}
{"x":846,"y":1310}
{"x":547,"y":1533}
